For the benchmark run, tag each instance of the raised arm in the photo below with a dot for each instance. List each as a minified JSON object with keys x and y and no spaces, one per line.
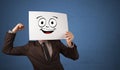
{"x":70,"y":50}
{"x":9,"y":40}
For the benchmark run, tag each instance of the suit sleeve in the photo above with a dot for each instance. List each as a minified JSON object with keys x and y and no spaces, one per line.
{"x":69,"y":52}
{"x":8,"y":46}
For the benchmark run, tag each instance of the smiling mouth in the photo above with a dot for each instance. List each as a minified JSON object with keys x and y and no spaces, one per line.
{"x":47,"y":32}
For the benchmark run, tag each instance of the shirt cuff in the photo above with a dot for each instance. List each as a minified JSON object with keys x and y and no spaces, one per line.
{"x":71,"y":46}
{"x":10,"y":31}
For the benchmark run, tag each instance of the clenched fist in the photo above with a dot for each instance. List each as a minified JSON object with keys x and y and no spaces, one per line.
{"x":18,"y":27}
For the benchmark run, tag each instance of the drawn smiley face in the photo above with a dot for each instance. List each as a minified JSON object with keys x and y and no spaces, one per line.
{"x":47,"y":26}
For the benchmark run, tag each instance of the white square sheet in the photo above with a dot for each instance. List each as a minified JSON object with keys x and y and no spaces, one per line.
{"x":47,"y":25}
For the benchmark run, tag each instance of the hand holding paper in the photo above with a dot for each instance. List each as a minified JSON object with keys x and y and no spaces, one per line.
{"x":69,"y":38}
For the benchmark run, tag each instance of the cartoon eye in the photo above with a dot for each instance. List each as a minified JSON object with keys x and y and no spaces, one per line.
{"x":42,"y":22}
{"x":52,"y":22}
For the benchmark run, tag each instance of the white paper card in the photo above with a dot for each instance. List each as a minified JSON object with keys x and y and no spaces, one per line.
{"x":47,"y":25}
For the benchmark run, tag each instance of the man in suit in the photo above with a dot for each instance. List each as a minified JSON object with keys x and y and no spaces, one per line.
{"x":36,"y":53}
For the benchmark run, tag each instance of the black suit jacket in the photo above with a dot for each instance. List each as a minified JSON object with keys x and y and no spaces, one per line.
{"x":35,"y":54}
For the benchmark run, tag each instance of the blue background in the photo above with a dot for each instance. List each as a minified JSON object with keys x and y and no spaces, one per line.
{"x":94,"y":23}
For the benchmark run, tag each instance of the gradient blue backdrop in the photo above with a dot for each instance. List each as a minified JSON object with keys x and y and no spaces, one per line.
{"x":95,"y":24}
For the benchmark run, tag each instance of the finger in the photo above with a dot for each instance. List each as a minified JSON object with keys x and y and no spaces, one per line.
{"x":21,"y":27}
{"x":69,"y":35}
{"x":69,"y":38}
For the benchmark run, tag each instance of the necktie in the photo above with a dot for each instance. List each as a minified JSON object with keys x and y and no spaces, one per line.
{"x":46,"y":52}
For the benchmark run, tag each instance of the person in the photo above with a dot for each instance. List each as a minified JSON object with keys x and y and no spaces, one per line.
{"x":35,"y":52}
